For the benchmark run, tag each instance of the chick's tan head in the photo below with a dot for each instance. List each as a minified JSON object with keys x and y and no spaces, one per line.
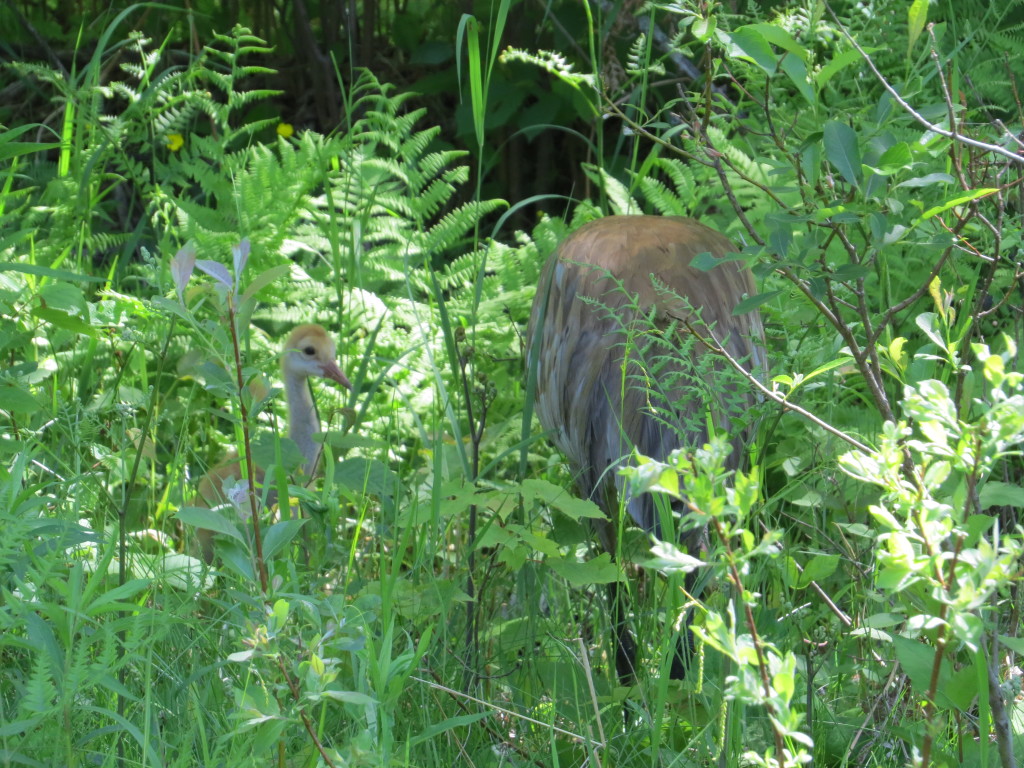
{"x":310,"y":351}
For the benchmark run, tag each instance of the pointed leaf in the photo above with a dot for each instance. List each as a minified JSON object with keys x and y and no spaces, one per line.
{"x":211,"y":520}
{"x":600,"y":570}
{"x":280,"y":535}
{"x":955,"y":201}
{"x":751,"y":303}
{"x":917,"y":15}
{"x":841,"y":150}
{"x":182,"y":265}
{"x":751,"y":44}
{"x":240,"y":256}
{"x":217,"y":271}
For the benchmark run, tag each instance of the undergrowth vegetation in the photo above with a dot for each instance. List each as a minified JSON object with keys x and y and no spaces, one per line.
{"x":440,"y":602}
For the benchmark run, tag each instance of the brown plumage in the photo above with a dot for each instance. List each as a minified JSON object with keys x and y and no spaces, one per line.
{"x":614,"y":287}
{"x":308,"y":352}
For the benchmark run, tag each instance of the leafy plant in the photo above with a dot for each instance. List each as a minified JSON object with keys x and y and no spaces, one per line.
{"x":854,"y":159}
{"x":868,"y":204}
{"x":943,"y":565}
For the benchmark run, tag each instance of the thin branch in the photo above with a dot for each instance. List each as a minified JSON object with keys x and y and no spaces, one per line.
{"x":458,"y":696}
{"x":715,"y":347}
{"x":994,"y":148}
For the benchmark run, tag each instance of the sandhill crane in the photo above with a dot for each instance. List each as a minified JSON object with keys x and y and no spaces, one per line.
{"x":607,"y":379}
{"x":308,"y":352}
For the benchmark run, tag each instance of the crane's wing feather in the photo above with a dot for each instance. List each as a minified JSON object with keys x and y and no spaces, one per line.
{"x":616,"y":369}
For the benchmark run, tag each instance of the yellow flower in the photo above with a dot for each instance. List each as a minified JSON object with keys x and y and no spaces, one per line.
{"x":175,"y":141}
{"x":285,"y":130}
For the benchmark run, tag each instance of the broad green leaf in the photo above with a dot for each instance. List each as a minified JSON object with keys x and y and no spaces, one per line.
{"x":810,"y":499}
{"x":217,"y":271}
{"x":703,"y":29}
{"x":170,"y":307}
{"x":280,"y":611}
{"x":918,"y":661}
{"x":561,"y":499}
{"x":211,"y":520}
{"x":669,"y":558}
{"x":1015,"y":644}
{"x":61,"y":319}
{"x":18,"y":148}
{"x":796,"y":71}
{"x":883,"y":620}
{"x":64,"y":297}
{"x":917,"y":15}
{"x":751,"y":303}
{"x":825,"y":367}
{"x":279,"y":535}
{"x":652,"y":477}
{"x":927,"y":181}
{"x":618,"y":194}
{"x":896,"y":352}
{"x":955,"y":201}
{"x":598,"y":570}
{"x":880,"y":513}
{"x":929,"y":323}
{"x":937,"y":471}
{"x":962,"y":688}
{"x":750,"y":44}
{"x":368,"y":476}
{"x":834,"y":67}
{"x":784,"y":680}
{"x":537,"y":542}
{"x":117,"y":598}
{"x":841,"y":150}
{"x":789,"y":572}
{"x":977,"y":526}
{"x":895,"y":159}
{"x":780,"y":38}
{"x":820,"y":567}
{"x":705,"y":261}
{"x":362,"y":700}
{"x":858,"y":530}
{"x":898,"y":153}
{"x":851,"y":272}
{"x":780,"y":233}
{"x":264,"y":452}
{"x":999,"y":494}
{"x":15,"y":399}
{"x":994,"y":370}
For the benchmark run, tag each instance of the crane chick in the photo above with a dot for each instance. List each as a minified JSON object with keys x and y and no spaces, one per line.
{"x":308,"y":352}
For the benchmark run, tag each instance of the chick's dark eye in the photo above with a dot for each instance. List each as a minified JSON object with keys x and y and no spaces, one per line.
{"x":309,"y":351}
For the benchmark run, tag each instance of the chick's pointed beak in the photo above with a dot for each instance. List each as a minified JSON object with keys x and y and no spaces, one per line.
{"x":333,"y":372}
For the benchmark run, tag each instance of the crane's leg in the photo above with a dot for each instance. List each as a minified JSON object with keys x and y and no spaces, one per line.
{"x":625,"y":644}
{"x":681,"y":658}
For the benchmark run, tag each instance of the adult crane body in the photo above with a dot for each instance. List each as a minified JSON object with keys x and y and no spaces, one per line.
{"x":606,"y":383}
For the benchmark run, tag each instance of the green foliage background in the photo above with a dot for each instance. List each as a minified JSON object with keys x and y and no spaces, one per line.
{"x":399,"y":172}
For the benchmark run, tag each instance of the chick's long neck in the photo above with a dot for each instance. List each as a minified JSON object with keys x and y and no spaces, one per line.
{"x":303,"y":419}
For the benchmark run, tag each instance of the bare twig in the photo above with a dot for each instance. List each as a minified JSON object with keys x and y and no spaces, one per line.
{"x":713,"y":345}
{"x":461,"y":697}
{"x":994,"y":148}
